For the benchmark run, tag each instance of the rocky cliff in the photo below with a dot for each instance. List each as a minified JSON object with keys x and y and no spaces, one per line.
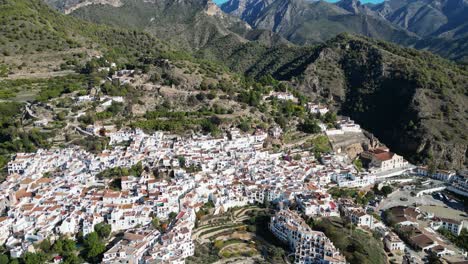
{"x":415,"y":105}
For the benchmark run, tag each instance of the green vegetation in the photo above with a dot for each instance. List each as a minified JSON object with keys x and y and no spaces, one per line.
{"x":93,"y":144}
{"x":113,"y":110}
{"x":412,"y":74}
{"x":13,"y":138}
{"x":66,"y":248}
{"x":103,"y":230}
{"x":30,"y":27}
{"x":231,"y":243}
{"x":55,"y":87}
{"x":319,"y":144}
{"x":384,"y":191}
{"x":460,"y":241}
{"x":359,"y":247}
{"x":156,"y":223}
{"x":310,"y":126}
{"x":45,"y":88}
{"x":166,"y":120}
{"x":118,"y":172}
{"x":204,"y":253}
{"x":3,"y":71}
{"x":358,"y":164}
{"x":250,"y":97}
{"x":329,"y":118}
{"x":33,"y":258}
{"x":360,"y":196}
{"x":379,"y":103}
{"x":45,"y":251}
{"x":206,"y":209}
{"x":93,"y":247}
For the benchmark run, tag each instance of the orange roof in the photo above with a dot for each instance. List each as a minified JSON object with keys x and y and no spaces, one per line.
{"x":112,"y":195}
{"x":26,"y":181}
{"x":383,"y":156}
{"x":23,"y":193}
{"x":43,"y":180}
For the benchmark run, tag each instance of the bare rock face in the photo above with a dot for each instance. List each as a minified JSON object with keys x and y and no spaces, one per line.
{"x":415,"y":117}
{"x":354,"y":150}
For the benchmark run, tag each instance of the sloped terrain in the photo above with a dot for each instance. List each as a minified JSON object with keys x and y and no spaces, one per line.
{"x":436,"y":25}
{"x":413,"y":101}
{"x":306,"y":22}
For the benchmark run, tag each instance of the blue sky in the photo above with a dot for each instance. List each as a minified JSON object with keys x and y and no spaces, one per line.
{"x":362,"y":1}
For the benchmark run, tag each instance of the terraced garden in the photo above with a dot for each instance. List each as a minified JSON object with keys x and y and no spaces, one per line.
{"x":240,"y":235}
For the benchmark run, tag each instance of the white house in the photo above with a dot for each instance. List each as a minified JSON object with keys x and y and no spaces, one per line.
{"x":452,"y":225}
{"x":317,"y":108}
{"x":393,"y":242}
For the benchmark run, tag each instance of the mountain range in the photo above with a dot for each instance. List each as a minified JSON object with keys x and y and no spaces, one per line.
{"x":188,"y":24}
{"x":436,"y":25}
{"x":414,"y":101}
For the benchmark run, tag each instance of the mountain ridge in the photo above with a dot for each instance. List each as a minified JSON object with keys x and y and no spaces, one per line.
{"x":363,"y":77}
{"x":424,"y":24}
{"x":186,"y":24}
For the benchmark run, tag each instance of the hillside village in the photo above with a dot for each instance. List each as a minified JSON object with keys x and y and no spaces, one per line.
{"x":68,"y":192}
{"x":151,"y":190}
{"x":145,"y":132}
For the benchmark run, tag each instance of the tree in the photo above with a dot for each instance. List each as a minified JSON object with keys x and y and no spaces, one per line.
{"x":34,"y":258}
{"x":358,"y":164}
{"x":172,"y":215}
{"x":386,"y":190}
{"x":182,"y":161}
{"x":310,"y":126}
{"x":103,"y":230}
{"x":244,"y":126}
{"x":218,"y":244}
{"x":61,"y":116}
{"x":281,"y":121}
{"x":211,"y":126}
{"x":72,"y":259}
{"x":93,"y":247}
{"x":200,"y":96}
{"x":297,"y":157}
{"x":432,"y":258}
{"x":156,"y":223}
{"x":45,"y":245}
{"x":68,"y":245}
{"x":4,"y":259}
{"x":330,"y":117}
{"x":58,"y":246}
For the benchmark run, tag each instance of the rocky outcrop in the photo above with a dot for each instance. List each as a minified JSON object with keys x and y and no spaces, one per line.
{"x":399,"y":99}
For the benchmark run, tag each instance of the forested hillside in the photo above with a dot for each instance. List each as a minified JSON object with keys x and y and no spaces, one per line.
{"x":413,"y":101}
